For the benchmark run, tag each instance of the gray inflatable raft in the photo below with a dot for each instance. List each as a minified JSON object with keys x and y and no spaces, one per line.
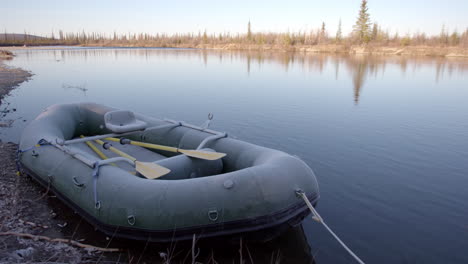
{"x":252,"y":188}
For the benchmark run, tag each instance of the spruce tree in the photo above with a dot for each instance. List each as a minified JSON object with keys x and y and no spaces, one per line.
{"x":375,"y":32}
{"x":362,"y":28}
{"x":339,"y":34}
{"x":323,"y":33}
{"x":205,"y":37}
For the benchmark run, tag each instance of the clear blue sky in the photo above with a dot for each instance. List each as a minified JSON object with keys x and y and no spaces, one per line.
{"x":152,"y":16}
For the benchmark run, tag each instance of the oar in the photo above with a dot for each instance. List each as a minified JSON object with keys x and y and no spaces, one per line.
{"x":96,"y":150}
{"x":199,"y":154}
{"x":84,"y":139}
{"x":147,"y":169}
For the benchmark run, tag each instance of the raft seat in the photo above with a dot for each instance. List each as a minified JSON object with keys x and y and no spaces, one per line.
{"x":123,"y":121}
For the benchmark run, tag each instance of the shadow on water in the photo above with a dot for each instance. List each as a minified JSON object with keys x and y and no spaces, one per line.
{"x":290,"y":247}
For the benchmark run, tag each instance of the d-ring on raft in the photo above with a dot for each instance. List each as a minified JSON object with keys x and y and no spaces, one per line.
{"x":248,"y":188}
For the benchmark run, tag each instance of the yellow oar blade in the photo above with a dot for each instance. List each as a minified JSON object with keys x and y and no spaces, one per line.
{"x":151,"y":170}
{"x":199,"y":154}
{"x":147,"y":169}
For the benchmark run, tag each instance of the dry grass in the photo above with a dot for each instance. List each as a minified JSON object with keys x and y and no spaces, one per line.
{"x":381,"y":42}
{"x":5,"y":54}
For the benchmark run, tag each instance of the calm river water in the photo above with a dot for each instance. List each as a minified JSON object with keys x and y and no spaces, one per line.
{"x":386,"y":136}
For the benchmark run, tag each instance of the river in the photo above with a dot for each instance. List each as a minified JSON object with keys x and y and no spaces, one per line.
{"x":386,"y":136}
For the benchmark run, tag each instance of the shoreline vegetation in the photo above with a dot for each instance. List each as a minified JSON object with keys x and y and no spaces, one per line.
{"x":417,"y":50}
{"x":367,"y":37}
{"x":6,"y":55}
{"x":10,"y":77}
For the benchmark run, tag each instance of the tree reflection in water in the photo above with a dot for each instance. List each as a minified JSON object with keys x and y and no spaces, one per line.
{"x":360,"y":67}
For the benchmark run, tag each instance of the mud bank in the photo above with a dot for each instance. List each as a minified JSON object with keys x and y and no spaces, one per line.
{"x":10,"y":77}
{"x":424,"y":51}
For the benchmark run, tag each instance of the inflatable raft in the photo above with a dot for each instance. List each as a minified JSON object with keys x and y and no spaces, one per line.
{"x":139,"y":177}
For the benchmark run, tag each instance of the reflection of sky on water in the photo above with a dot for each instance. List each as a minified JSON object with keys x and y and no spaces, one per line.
{"x":359,"y":67}
{"x":386,"y":135}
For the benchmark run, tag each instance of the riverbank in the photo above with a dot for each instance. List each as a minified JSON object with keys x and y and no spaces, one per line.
{"x":5,"y":54}
{"x":32,"y":225}
{"x":10,"y":77}
{"x":25,"y":210}
{"x":25,"y":206}
{"x":428,"y":51}
{"x":357,"y":49}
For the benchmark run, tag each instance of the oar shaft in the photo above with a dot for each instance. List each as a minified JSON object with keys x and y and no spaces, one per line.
{"x":148,"y":145}
{"x":84,"y":139}
{"x":154,"y":146}
{"x":147,"y":169}
{"x":116,"y":151}
{"x":199,"y":154}
{"x":95,"y":149}
{"x":89,"y":161}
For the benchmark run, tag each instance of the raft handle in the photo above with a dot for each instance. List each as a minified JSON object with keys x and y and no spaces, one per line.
{"x":75,"y":181}
{"x":131,"y":220}
{"x":213,"y":214}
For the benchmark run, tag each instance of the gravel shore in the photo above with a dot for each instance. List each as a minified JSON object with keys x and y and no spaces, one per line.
{"x":10,"y":77}
{"x":27,"y":209}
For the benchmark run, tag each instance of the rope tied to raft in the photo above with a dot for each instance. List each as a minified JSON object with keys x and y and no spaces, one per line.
{"x":94,"y":165}
{"x":40,"y":143}
{"x":316,"y":216}
{"x":95,"y":174}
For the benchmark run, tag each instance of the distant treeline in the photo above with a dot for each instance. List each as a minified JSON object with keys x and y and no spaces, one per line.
{"x":364,"y":32}
{"x":315,"y":37}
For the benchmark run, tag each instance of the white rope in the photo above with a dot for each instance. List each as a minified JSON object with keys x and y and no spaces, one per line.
{"x":319,"y":219}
